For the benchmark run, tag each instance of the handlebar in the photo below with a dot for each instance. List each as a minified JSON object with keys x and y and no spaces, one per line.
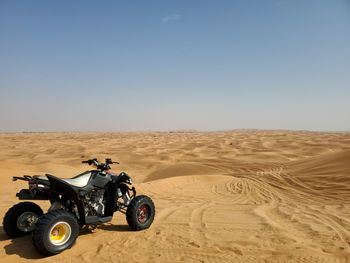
{"x":109,"y":161}
{"x":100,"y":166}
{"x":91,"y":161}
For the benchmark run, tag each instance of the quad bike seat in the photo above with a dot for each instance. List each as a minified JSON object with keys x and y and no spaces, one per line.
{"x":80,"y":180}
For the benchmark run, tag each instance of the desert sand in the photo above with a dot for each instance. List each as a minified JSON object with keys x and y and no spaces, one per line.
{"x":238,"y":196}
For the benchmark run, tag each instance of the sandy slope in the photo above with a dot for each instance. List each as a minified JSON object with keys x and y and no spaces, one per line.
{"x":243,"y":196}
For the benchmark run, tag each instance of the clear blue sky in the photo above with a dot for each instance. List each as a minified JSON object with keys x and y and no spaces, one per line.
{"x":164,"y":65}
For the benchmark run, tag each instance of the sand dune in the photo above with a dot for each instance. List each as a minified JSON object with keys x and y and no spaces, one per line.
{"x":240,"y":196}
{"x":181,"y":169}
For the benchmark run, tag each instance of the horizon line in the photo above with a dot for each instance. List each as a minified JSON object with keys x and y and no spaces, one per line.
{"x":179,"y":131}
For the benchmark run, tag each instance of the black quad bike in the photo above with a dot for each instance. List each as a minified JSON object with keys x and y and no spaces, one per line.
{"x":88,"y":199}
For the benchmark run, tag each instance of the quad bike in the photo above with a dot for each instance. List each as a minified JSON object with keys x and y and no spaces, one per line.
{"x":88,"y":199}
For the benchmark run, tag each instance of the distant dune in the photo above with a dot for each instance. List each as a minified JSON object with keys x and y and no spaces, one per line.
{"x":235,"y":196}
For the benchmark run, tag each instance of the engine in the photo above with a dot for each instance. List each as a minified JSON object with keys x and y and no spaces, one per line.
{"x":94,"y":203}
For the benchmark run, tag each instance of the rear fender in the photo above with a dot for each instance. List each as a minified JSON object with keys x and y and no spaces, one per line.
{"x":60,"y":187}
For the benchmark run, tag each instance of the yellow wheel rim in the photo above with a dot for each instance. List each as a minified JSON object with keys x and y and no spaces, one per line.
{"x":60,"y":233}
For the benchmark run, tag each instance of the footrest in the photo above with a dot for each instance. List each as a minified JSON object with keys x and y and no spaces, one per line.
{"x":105,"y":219}
{"x":95,"y":220}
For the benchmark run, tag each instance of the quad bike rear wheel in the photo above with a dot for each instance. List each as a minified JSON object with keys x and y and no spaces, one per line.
{"x":140,"y":213}
{"x":55,"y":231}
{"x":21,"y":218}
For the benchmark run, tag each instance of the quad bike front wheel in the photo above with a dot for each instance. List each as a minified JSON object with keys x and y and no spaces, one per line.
{"x":21,"y":218}
{"x":140,"y":213}
{"x":55,"y":231}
